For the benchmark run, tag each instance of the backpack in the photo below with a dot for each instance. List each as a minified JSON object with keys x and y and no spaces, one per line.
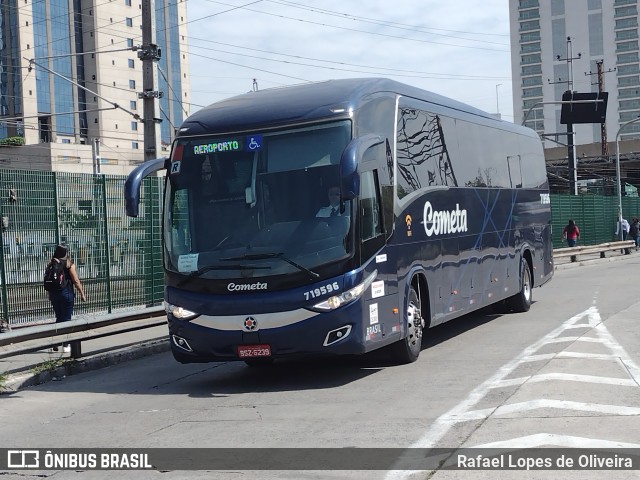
{"x":55,"y":276}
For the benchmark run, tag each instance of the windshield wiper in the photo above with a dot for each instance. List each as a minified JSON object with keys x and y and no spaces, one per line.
{"x":208,"y":268}
{"x":264,"y":256}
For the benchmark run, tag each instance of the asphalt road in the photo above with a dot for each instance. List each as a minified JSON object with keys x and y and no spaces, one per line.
{"x":564,"y":374}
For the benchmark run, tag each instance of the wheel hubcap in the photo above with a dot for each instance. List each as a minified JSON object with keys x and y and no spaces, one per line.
{"x":415,"y":323}
{"x":526,"y":287}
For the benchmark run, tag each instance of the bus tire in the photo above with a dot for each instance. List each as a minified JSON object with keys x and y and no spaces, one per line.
{"x":521,"y":301}
{"x":408,"y":349}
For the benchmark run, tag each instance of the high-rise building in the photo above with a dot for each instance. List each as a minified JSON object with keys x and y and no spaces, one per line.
{"x":70,"y":78}
{"x":556,"y":46}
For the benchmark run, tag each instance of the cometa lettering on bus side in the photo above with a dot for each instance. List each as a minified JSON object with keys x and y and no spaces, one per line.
{"x":235,"y":287}
{"x":444,"y":221}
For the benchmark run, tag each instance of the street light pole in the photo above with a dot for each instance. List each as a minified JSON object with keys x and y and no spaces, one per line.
{"x":497,"y":102}
{"x":619,"y":182}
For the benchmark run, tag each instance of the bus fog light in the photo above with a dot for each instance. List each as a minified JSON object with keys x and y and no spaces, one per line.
{"x":336,"y":335}
{"x":181,"y":343}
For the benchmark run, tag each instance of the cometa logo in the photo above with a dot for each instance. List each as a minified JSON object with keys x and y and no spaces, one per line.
{"x":445,"y":221}
{"x":233,"y":287}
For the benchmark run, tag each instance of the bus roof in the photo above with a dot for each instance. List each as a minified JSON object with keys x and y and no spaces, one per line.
{"x":308,"y":102}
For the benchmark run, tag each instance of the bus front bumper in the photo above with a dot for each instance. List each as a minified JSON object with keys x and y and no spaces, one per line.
{"x":331,"y":333}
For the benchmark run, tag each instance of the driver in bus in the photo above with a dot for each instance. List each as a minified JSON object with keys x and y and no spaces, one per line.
{"x":333,"y":209}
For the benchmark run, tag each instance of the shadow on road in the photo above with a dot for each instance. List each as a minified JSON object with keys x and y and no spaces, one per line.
{"x":160,"y":374}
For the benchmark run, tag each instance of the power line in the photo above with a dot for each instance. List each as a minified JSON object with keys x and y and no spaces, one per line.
{"x":392,"y":23}
{"x":177,"y":99}
{"x":134,"y":115}
{"x":253,"y":68}
{"x":420,"y":74}
{"x":386,"y":23}
{"x":357,"y":30}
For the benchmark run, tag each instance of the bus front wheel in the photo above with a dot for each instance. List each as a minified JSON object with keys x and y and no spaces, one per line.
{"x":521,"y":301}
{"x":408,"y":349}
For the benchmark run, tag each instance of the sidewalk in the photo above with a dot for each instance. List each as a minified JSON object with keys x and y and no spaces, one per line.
{"x":29,"y":369}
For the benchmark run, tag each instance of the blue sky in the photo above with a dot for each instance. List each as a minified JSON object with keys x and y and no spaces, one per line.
{"x":459,"y":48}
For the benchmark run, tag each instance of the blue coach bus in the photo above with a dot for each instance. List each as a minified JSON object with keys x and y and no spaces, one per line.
{"x":439,"y":209}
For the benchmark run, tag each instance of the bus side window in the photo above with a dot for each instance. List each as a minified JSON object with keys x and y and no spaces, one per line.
{"x":370,"y":223}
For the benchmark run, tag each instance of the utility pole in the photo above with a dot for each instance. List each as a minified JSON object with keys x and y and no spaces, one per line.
{"x":150,"y":54}
{"x":571,"y":152}
{"x":603,"y":126}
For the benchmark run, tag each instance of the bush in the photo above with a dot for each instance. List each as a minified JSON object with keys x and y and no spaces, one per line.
{"x":12,"y":141}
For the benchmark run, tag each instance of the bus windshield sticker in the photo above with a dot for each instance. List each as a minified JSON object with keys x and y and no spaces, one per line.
{"x":188,"y":263}
{"x":381,"y":258}
{"x":175,"y":167}
{"x":373,"y":314}
{"x":377,"y":289}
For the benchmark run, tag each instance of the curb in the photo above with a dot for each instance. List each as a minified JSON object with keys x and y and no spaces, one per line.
{"x":591,"y":261}
{"x":16,"y":381}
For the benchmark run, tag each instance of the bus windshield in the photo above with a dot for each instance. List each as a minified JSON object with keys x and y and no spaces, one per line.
{"x":257,"y":204}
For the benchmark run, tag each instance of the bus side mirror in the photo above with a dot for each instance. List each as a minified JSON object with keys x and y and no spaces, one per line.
{"x":132,"y":184}
{"x":351,"y":157}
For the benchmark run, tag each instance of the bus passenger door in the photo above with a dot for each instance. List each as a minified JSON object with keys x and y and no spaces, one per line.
{"x":379,"y":319}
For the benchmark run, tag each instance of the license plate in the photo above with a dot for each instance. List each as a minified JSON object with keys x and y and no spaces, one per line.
{"x":252,"y":351}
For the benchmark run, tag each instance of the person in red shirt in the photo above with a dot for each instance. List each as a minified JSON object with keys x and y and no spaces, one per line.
{"x":571,"y":233}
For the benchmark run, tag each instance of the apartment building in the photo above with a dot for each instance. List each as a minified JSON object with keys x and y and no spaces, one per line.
{"x":70,"y":80}
{"x":545,"y":63}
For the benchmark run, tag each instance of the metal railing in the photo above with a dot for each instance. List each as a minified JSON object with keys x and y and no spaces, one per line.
{"x":74,"y":332}
{"x":624,"y":245}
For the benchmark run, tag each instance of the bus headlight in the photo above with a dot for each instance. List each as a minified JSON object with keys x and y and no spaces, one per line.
{"x":179,"y":312}
{"x":349,"y":296}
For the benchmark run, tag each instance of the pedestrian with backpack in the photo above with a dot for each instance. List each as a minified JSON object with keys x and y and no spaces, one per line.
{"x":60,"y":277}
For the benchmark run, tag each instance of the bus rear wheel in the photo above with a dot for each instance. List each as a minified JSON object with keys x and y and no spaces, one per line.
{"x":408,"y":349}
{"x":521,"y":301}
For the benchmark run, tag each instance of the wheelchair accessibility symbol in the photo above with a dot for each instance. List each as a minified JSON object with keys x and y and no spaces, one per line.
{"x":254,"y":142}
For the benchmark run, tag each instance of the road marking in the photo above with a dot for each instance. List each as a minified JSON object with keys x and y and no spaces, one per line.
{"x":463,"y":411}
{"x":576,"y":339}
{"x":569,"y":377}
{"x":548,"y":403}
{"x":567,"y":441}
{"x":592,"y":356}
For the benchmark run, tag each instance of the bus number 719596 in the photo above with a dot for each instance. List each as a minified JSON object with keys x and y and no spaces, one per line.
{"x":323,"y":290}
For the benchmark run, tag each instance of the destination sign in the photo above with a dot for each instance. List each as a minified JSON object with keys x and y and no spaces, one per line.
{"x":224,"y":146}
{"x":250,"y":143}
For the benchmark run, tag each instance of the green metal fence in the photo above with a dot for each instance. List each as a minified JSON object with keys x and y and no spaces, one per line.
{"x":595,"y":215}
{"x":118,"y":259}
